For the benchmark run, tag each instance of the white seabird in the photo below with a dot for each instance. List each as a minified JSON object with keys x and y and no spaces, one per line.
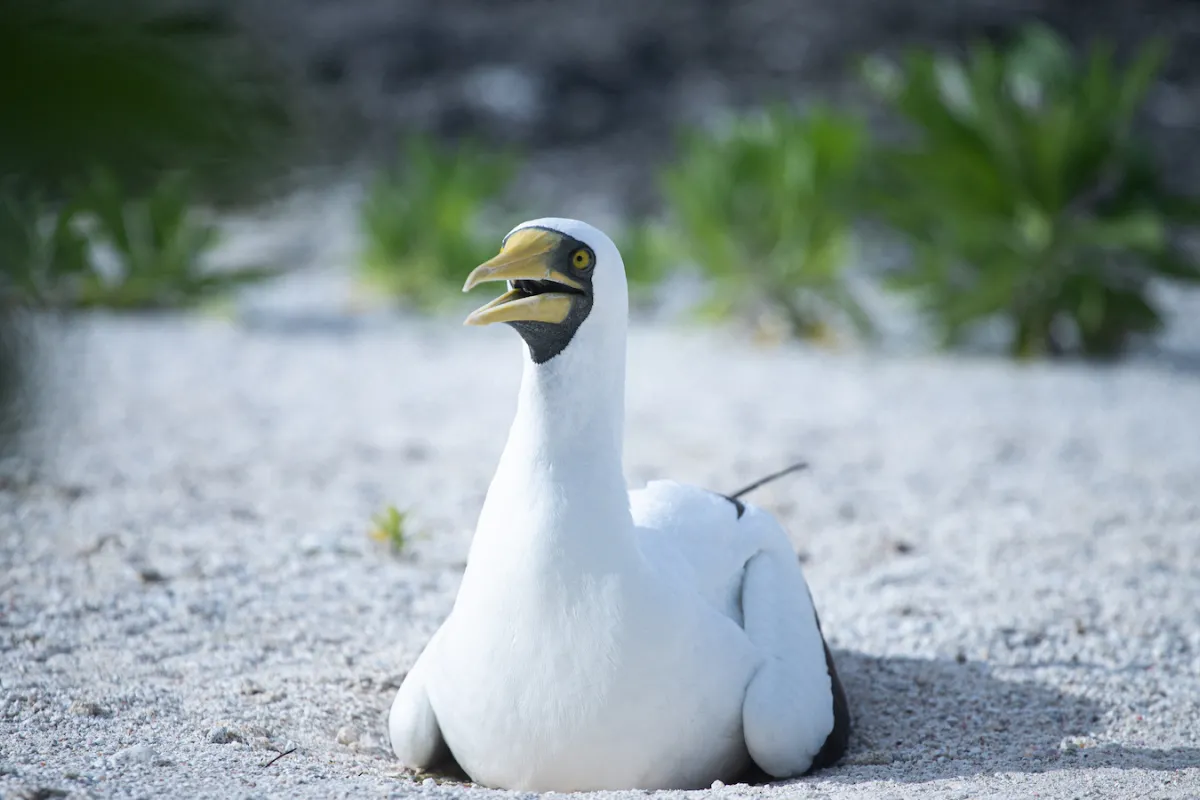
{"x":604,"y":638}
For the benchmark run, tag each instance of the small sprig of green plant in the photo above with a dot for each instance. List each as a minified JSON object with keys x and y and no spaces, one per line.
{"x":423,"y":219}
{"x":104,"y":247}
{"x":389,"y":528}
{"x":1026,"y":195}
{"x":764,"y":210}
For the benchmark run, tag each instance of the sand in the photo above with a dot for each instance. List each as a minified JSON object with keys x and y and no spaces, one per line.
{"x":1006,"y":559}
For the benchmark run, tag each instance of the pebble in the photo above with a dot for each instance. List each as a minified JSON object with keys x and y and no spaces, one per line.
{"x":151,"y":575}
{"x":40,"y":793}
{"x":137,"y":754}
{"x":347,"y":735}
{"x":223,"y":735}
{"x":86,"y":708}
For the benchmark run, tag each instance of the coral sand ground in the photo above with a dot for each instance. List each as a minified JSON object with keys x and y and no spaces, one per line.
{"x":1006,"y":559}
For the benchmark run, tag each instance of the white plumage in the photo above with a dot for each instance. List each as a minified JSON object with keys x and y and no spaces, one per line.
{"x":601,"y":638}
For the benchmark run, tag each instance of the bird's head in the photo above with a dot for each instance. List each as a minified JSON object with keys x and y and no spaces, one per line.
{"x":563,"y":275}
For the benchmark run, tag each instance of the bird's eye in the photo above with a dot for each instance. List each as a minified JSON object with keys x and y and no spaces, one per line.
{"x":581,"y":259}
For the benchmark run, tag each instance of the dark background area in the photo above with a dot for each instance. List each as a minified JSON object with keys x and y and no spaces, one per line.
{"x":614,"y":81}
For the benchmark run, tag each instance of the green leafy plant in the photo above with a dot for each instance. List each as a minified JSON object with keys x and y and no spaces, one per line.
{"x":1026,"y":195}
{"x":764,"y":211}
{"x":423,"y":219}
{"x":158,"y":243}
{"x":104,"y":248}
{"x":389,"y":528}
{"x":42,"y":255}
{"x":648,"y":251}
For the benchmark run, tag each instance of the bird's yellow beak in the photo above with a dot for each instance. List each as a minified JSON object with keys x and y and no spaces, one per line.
{"x":525,"y":258}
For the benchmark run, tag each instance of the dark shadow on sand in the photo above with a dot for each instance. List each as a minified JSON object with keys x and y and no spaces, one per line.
{"x":910,"y":710}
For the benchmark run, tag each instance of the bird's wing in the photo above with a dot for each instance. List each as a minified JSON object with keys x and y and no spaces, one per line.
{"x":413,"y":728}
{"x":794,"y":715}
{"x":739,"y":558}
{"x":694,"y":536}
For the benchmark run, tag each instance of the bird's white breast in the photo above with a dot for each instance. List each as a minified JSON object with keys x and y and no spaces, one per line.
{"x":605,"y":680}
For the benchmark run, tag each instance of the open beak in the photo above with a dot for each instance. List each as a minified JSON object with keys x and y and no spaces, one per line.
{"x":537,"y":292}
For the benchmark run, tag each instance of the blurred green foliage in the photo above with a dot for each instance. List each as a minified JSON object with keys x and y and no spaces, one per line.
{"x":765,"y":210}
{"x":104,"y":247}
{"x":1022,"y":186}
{"x":137,"y":88}
{"x":158,"y":243}
{"x":1027,"y":196}
{"x":102,"y":108}
{"x":423,"y":219}
{"x":649,"y":252}
{"x":40,"y":249}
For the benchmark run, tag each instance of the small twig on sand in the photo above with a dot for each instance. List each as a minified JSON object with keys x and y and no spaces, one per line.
{"x":281,"y":755}
{"x":98,"y":545}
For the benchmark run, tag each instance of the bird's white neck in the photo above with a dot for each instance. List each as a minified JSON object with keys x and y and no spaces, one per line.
{"x":559,"y":489}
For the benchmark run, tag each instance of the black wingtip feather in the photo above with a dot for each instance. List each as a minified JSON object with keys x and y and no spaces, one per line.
{"x":839,"y":738}
{"x":738,"y":504}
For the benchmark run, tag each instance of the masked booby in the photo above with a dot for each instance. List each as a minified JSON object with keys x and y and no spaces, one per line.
{"x":604,"y":638}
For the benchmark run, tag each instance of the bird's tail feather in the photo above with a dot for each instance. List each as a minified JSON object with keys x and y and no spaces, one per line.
{"x":799,"y":465}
